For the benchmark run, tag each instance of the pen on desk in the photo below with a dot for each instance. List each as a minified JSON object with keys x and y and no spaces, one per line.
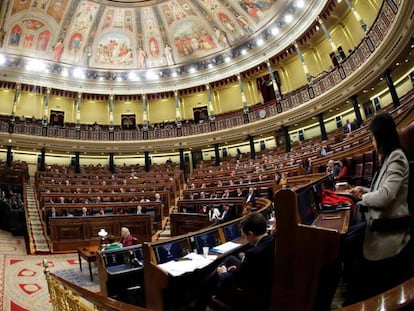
{"x":183,"y":259}
{"x":331,"y":217}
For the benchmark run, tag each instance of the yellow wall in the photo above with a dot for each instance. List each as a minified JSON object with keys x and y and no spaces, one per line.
{"x":230,"y":98}
{"x":29,"y":105}
{"x":63,"y":104}
{"x":161,"y":110}
{"x":190,"y":102}
{"x":6,"y":100}
{"x":129,"y":107}
{"x":94,"y":111}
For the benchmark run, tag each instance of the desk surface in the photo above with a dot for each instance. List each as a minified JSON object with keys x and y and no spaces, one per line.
{"x":336,"y":220}
{"x":88,"y":253}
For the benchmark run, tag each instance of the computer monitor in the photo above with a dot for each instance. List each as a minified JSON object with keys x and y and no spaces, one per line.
{"x":307,"y":206}
{"x":210,"y":239}
{"x":123,"y":256}
{"x":173,"y":250}
{"x":232,"y":231}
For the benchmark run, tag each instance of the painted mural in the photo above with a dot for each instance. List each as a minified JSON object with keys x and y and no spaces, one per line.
{"x":192,"y":39}
{"x":56,"y":9}
{"x":90,"y":34}
{"x":114,"y":49}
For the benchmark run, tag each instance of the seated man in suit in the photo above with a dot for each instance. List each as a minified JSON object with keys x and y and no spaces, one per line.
{"x":227,"y":213}
{"x":244,"y":283}
{"x":251,"y":197}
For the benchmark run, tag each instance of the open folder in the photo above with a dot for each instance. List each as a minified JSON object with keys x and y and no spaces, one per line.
{"x":224,"y":248}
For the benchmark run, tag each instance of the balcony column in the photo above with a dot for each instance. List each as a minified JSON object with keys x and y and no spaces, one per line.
{"x":111,"y":162}
{"x":77,"y":162}
{"x":9,"y":156}
{"x":390,"y":83}
{"x":144,"y":117}
{"x":243,"y":95}
{"x":147,"y":161}
{"x":354,"y":100}
{"x":285,"y":130}
{"x":211,"y":113}
{"x":324,"y":136}
{"x":42,"y":164}
{"x":15,"y":100}
{"x":329,"y":38}
{"x":216,"y":154}
{"x":178,"y":119}
{"x":45,"y":119}
{"x":182,"y":159}
{"x":78,"y":113}
{"x":252,"y":149}
{"x":14,"y":108}
{"x":357,"y":16}
{"x":302,"y":60}
{"x":111,"y":117}
{"x":276,"y":89}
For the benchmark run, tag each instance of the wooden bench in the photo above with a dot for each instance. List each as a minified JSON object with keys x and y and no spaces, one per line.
{"x":111,"y":208}
{"x":71,"y":233}
{"x":164,"y":291}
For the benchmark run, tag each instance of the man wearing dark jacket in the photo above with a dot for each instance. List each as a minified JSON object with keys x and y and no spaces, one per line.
{"x":244,"y":283}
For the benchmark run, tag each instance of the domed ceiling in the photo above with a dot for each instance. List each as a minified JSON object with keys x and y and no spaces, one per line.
{"x":170,"y":39}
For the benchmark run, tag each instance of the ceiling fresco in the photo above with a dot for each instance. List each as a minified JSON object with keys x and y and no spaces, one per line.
{"x":89,"y":34}
{"x":181,"y":43}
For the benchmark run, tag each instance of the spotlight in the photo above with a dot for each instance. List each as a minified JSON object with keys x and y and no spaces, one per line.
{"x":288,"y":18}
{"x":275,"y":31}
{"x":2,"y":59}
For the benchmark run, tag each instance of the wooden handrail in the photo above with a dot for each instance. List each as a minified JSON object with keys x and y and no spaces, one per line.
{"x":400,"y":297}
{"x":65,"y":294}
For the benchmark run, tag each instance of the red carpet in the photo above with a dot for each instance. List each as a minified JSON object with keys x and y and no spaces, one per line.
{"x":23,"y":285}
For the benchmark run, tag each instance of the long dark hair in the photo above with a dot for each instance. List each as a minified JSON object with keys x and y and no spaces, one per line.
{"x":385,"y":132}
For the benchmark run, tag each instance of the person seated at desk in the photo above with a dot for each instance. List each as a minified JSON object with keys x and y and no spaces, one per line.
{"x":244,"y":282}
{"x":239,"y":193}
{"x":251,"y":197}
{"x":84,"y":211}
{"x":386,"y":198}
{"x":227,"y":213}
{"x":112,"y":243}
{"x":126,"y":237}
{"x":214,"y":215}
{"x":226,"y":194}
{"x":343,"y":170}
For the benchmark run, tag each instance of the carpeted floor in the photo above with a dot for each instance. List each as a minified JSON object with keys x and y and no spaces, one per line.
{"x":22,"y":283}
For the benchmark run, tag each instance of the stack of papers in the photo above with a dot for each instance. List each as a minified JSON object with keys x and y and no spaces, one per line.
{"x":224,"y":248}
{"x":188,"y":263}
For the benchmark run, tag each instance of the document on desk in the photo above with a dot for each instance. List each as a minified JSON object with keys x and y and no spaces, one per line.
{"x":188,"y":263}
{"x":224,"y":248}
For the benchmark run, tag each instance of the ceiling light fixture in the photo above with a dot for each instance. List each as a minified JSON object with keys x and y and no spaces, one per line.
{"x":275,"y":31}
{"x":300,"y":4}
{"x":2,"y":59}
{"x":288,"y":18}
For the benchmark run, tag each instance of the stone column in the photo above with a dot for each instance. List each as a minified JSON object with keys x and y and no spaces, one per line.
{"x":252,"y":149}
{"x":287,"y":138}
{"x":357,"y":16}
{"x":302,"y":60}
{"x":324,"y":136}
{"x":391,"y":87}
